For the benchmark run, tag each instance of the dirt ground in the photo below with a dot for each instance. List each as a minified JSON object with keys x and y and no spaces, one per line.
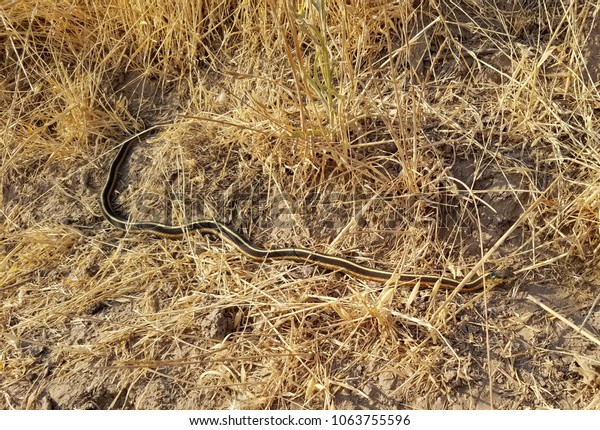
{"x":429,"y":160}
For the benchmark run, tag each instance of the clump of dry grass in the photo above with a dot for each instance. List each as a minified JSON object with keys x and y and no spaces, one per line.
{"x":443,"y":138}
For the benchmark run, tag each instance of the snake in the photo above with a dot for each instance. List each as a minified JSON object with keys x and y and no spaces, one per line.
{"x":259,"y":253}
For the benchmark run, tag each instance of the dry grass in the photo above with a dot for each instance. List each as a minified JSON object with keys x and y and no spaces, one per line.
{"x":446,"y":138}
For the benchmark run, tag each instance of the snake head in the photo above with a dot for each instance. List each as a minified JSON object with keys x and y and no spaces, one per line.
{"x":499,"y":276}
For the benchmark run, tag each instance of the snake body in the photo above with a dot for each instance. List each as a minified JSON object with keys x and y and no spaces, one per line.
{"x":255,"y":252}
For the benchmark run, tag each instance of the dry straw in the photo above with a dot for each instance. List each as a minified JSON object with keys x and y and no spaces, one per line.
{"x":438,"y":137}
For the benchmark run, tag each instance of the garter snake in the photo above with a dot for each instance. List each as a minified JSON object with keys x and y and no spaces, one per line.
{"x":255,"y":252}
